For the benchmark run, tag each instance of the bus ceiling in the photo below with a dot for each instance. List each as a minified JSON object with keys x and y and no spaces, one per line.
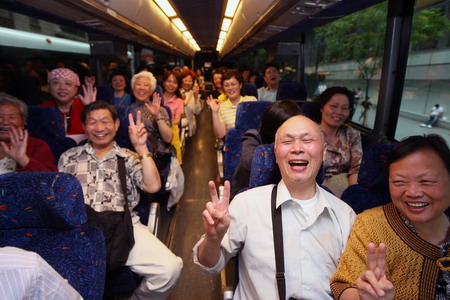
{"x":142,"y":22}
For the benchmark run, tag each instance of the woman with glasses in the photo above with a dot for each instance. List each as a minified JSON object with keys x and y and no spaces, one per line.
{"x":333,"y":109}
{"x":224,"y":114}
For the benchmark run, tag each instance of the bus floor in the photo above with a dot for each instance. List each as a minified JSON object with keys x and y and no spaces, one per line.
{"x":199,"y":166}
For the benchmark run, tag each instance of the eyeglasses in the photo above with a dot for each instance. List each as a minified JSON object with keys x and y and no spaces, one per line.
{"x":335,"y":107}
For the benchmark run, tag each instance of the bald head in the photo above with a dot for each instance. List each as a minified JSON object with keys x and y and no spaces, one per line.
{"x":301,"y":122}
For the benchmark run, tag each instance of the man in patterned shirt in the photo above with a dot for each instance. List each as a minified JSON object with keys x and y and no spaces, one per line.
{"x":95,"y":165}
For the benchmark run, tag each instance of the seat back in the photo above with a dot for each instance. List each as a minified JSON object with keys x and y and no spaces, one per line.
{"x":122,"y":137}
{"x":248,"y":116}
{"x":47,"y":124}
{"x":44,"y":212}
{"x":291,"y":91}
{"x":250,"y":89}
{"x":372,"y":189}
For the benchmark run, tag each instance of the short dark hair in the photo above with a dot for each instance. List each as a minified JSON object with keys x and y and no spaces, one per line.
{"x":233,"y":73}
{"x":412,"y":144}
{"x":274,"y":116}
{"x":325,"y":97}
{"x":117,"y":72}
{"x":270,"y":66}
{"x":177,"y":76}
{"x":96,"y":105}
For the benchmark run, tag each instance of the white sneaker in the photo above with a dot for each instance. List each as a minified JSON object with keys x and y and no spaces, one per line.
{"x":429,"y":126}
{"x":423,"y":125}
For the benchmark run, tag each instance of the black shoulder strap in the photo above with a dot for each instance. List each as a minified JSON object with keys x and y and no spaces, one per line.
{"x":277,"y":226}
{"x":123,"y":182}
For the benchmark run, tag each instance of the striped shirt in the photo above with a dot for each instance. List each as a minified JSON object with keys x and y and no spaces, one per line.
{"x":25,"y":275}
{"x":227,"y":111}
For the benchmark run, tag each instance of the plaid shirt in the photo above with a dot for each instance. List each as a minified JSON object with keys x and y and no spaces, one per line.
{"x":100,"y":178}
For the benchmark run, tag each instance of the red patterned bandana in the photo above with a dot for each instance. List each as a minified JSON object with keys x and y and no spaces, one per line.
{"x":64,"y":74}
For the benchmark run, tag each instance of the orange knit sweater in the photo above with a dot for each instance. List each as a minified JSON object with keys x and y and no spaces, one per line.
{"x":410,"y":261}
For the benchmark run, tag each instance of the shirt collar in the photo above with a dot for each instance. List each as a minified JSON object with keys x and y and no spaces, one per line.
{"x":115,"y":151}
{"x":283,"y":195}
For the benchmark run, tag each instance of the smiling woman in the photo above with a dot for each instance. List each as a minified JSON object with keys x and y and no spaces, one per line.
{"x":333,"y":109}
{"x":414,"y":230}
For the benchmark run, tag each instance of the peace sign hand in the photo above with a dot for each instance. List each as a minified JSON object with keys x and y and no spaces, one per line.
{"x":216,"y":218}
{"x":137,"y":132}
{"x":372,"y":283}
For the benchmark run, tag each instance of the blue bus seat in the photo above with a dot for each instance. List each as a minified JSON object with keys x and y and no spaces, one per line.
{"x":248,"y":116}
{"x":122,"y":137}
{"x":372,"y":189}
{"x":47,"y":124}
{"x":291,"y":91}
{"x":250,"y":89}
{"x":44,"y":212}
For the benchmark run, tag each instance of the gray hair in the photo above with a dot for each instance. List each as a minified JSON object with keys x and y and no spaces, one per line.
{"x":8,"y":99}
{"x":147,"y":75}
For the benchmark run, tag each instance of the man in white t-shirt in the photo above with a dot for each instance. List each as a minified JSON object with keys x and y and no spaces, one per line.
{"x":316,"y":224}
{"x":435,"y":114}
{"x":272,"y":80}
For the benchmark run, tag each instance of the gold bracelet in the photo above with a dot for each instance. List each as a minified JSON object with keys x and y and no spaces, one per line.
{"x":149,"y":154}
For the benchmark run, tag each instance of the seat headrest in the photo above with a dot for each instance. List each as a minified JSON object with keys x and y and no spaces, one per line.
{"x":372,"y":172}
{"x":41,"y":200}
{"x":249,"y":114}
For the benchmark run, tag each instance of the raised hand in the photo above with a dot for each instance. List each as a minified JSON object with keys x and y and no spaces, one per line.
{"x":372,"y":283}
{"x":17,"y":149}
{"x":89,"y":93}
{"x":216,"y":218}
{"x":137,"y":131}
{"x":213,"y":103}
{"x":153,"y":107}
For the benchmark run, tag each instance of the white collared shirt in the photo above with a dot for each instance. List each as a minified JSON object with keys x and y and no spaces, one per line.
{"x":266,"y":94}
{"x":312,"y":244}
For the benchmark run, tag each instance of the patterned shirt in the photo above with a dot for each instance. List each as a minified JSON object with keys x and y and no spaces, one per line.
{"x":100,"y":178}
{"x":227,"y":111}
{"x":346,"y":155}
{"x":154,"y":136}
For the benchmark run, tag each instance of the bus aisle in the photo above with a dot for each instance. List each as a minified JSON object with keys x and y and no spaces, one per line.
{"x":199,"y":166}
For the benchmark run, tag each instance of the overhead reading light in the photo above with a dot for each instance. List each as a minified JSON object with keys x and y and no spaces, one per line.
{"x":231,"y":8}
{"x":166,"y":8}
{"x":187,"y":34}
{"x":179,"y":24}
{"x":226,"y":24}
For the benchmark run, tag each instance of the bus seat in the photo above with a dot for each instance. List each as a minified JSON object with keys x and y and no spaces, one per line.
{"x":105,"y":93}
{"x":265,"y":169}
{"x":248,"y":116}
{"x":259,"y":81}
{"x":122,"y":136}
{"x":372,"y":189}
{"x":250,"y":89}
{"x":291,"y":91}
{"x":307,"y":108}
{"x":47,"y":124}
{"x":44,"y":212}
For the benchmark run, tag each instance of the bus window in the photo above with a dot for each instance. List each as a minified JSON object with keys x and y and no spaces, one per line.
{"x":427,"y":81}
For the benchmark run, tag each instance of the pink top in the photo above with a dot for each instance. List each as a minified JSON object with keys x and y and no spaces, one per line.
{"x":176,"y":106}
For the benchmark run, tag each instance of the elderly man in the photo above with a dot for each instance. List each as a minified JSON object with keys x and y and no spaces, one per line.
{"x":95,"y":164}
{"x":64,"y":85}
{"x":18,"y":151}
{"x":272,"y":79}
{"x":315,"y":224}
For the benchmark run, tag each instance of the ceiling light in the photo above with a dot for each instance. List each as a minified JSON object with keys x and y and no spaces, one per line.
{"x":226,"y":24}
{"x":187,"y":34}
{"x":231,"y":8}
{"x":179,"y":24}
{"x":166,"y":8}
{"x":220,"y":42}
{"x":222,"y":35}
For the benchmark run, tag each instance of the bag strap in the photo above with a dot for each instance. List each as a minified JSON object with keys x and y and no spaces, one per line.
{"x":123,"y":182}
{"x":277,"y":226}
